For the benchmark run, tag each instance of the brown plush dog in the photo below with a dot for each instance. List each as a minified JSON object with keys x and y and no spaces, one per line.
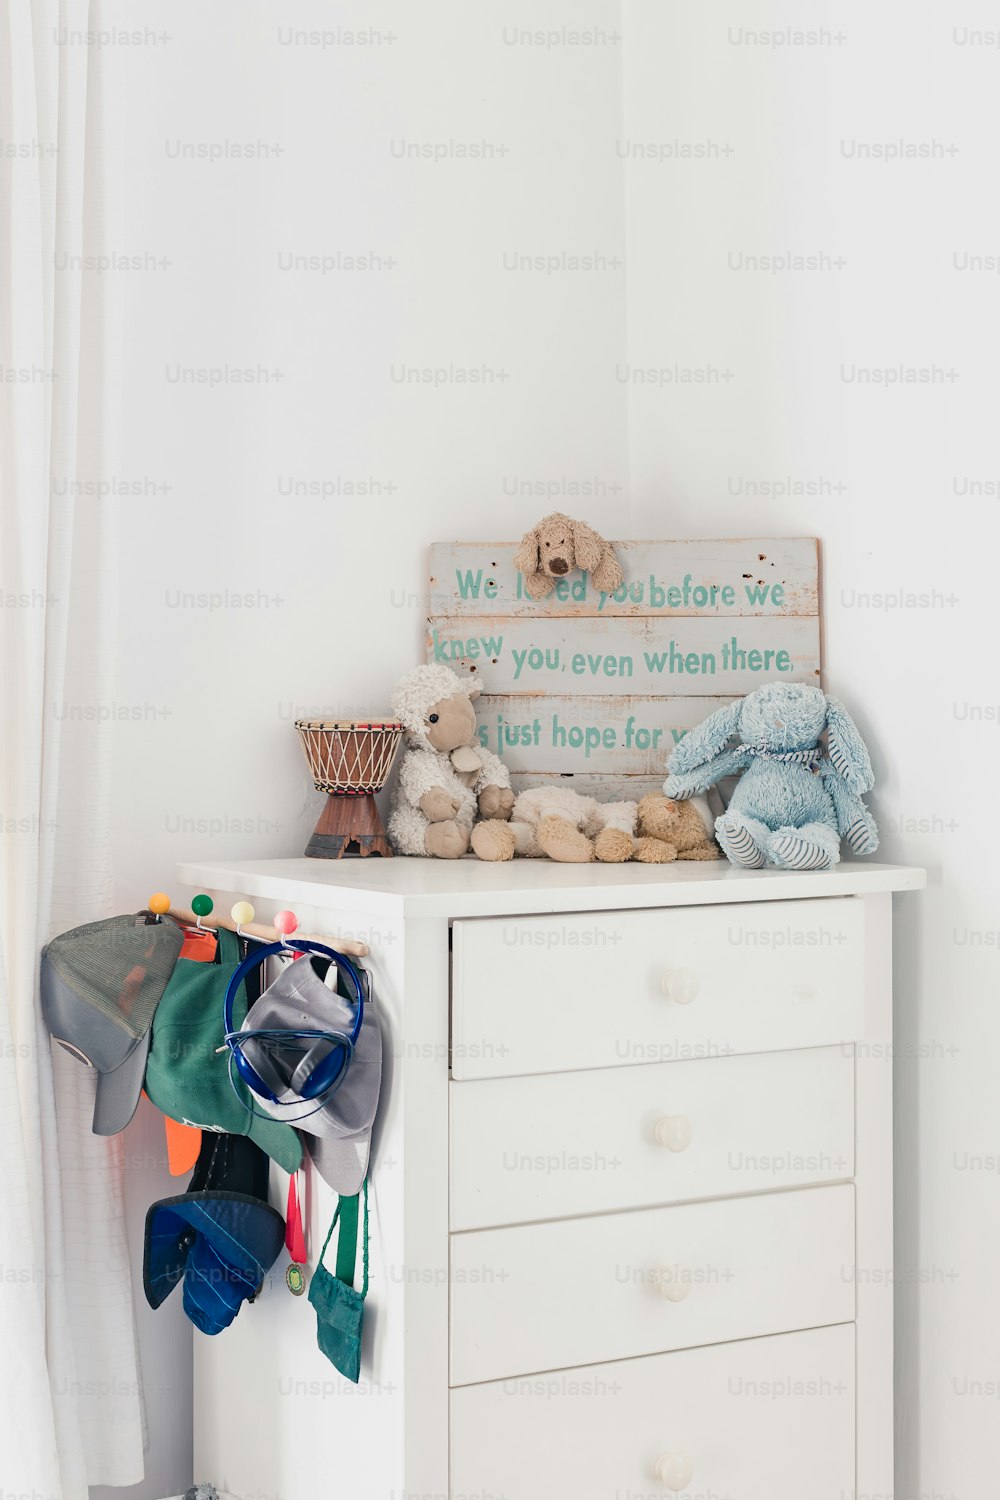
{"x":556,"y":547}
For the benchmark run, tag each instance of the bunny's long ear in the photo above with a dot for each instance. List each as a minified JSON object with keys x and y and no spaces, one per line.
{"x":588,"y":546}
{"x":701,"y":744}
{"x":848,"y":751}
{"x":526,"y":559}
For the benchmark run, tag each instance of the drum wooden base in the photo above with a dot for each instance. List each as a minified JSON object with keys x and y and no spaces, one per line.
{"x":349,"y":825}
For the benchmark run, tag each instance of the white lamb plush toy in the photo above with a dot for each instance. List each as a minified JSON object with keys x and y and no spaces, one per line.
{"x":445,"y":775}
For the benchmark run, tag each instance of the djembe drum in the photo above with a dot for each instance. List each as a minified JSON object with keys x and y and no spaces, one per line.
{"x":350,"y":761}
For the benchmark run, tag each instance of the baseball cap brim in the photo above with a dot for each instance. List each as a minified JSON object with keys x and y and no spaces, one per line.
{"x":281,"y":1144}
{"x":118,"y":1091}
{"x":94,"y":1039}
{"x":184,"y":1144}
{"x":219,"y":1239}
{"x":339,"y":1137}
{"x":342,"y":1164}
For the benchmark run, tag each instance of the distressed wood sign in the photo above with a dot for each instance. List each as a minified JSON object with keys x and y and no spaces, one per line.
{"x":773,"y":577}
{"x":602,"y":736}
{"x":599,"y":686}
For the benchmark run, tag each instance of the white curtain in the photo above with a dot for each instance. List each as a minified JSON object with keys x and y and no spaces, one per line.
{"x":70,"y":1399}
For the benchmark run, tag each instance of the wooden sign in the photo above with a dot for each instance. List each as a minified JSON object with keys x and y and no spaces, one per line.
{"x":601,"y":687}
{"x":667,"y":579}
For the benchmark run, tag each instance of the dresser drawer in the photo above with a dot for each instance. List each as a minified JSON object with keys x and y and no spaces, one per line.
{"x":598,"y":990}
{"x":546,"y":1296}
{"x":561,"y":1144}
{"x":768,"y":1419}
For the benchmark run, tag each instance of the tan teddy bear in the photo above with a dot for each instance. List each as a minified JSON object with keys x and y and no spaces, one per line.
{"x":556,"y":823}
{"x":666,"y":830}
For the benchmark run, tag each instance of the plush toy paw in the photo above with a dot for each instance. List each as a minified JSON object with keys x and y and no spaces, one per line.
{"x":701,"y":851}
{"x":798,"y":854}
{"x":811,"y":847}
{"x":561,"y":841}
{"x":613,"y":846}
{"x":495,"y":802}
{"x":493,"y":840}
{"x":447,"y":840}
{"x":738,"y":843}
{"x":862,"y":836}
{"x":438,"y":806}
{"x":654,"y":851}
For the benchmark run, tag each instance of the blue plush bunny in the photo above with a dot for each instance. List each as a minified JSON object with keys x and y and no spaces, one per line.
{"x":793,"y":803}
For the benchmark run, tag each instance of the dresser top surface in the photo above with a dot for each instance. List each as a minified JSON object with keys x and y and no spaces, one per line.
{"x":469,"y":888}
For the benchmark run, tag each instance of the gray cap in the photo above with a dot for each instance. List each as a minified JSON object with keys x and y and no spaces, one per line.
{"x":101,"y":984}
{"x":338,"y":1132}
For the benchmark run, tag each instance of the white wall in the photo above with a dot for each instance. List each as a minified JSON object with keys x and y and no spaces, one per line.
{"x":211,"y":763}
{"x":880,"y":474}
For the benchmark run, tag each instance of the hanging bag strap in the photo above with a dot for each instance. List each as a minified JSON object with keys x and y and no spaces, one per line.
{"x":346,"y":1213}
{"x":229,"y":947}
{"x":229,"y":959}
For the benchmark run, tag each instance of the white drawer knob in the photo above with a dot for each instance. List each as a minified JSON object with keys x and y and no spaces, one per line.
{"x":670,"y":1285}
{"x":674,"y":1470}
{"x":680,"y":985}
{"x":673,"y":1131}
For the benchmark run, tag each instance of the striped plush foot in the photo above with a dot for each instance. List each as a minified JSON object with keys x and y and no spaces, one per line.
{"x":794,"y":853}
{"x":738,"y":844}
{"x":814,"y":846}
{"x":861,"y":837}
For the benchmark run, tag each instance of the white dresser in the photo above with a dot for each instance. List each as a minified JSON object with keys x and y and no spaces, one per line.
{"x":631,"y":1213}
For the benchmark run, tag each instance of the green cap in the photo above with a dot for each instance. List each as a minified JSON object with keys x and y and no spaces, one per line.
{"x":188,"y":1078}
